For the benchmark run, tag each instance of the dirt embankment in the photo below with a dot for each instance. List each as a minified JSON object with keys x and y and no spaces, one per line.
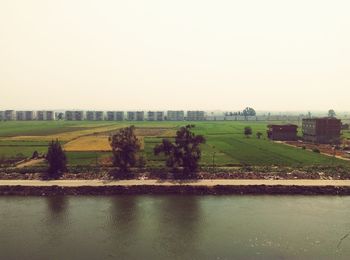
{"x":182,"y":190}
{"x":191,"y":187}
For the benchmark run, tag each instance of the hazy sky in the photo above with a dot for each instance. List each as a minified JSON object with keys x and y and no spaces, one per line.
{"x":181,"y":54}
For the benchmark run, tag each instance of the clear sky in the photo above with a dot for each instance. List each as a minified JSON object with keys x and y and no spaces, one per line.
{"x":180,"y":54}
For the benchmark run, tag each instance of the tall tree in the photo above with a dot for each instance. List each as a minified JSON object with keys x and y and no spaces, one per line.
{"x":331,"y":113}
{"x":185,"y":152}
{"x":126,"y":147}
{"x":56,"y":159}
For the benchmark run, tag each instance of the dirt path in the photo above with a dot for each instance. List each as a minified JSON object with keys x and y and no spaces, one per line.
{"x":326,"y":154}
{"x":30,"y":163}
{"x":209,"y":183}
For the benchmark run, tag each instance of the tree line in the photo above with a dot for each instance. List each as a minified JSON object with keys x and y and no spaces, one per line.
{"x":182,"y":155}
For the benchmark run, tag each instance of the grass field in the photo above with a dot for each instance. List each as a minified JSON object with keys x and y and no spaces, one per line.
{"x":86,"y":142}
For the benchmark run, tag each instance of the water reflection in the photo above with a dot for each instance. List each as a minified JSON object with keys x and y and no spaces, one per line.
{"x":179,"y":226}
{"x":123,"y":220}
{"x":57,"y":208}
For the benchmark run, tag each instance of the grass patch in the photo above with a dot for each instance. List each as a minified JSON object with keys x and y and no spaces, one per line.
{"x":225,"y":141}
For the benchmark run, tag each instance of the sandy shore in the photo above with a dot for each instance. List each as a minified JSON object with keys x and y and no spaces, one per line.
{"x":208,"y":183}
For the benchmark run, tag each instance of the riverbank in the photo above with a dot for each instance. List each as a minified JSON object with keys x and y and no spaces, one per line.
{"x":200,"y":187}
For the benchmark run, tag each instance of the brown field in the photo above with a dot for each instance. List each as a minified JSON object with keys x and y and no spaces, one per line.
{"x":88,"y":143}
{"x":99,"y":140}
{"x":67,"y":136}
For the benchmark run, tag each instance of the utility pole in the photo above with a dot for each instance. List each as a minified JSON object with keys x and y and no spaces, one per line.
{"x":214,"y":160}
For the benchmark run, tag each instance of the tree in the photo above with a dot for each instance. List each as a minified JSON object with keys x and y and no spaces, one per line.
{"x":60,"y":116}
{"x":125,"y":147}
{"x":258,"y":135}
{"x":56,"y":159}
{"x":248,"y":111}
{"x":331,"y":113}
{"x":185,"y":152}
{"x":248,"y":131}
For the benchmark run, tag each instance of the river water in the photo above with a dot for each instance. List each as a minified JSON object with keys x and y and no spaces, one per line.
{"x":175,"y":227}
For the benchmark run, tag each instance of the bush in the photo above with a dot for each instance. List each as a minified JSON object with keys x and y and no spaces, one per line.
{"x":316,"y":150}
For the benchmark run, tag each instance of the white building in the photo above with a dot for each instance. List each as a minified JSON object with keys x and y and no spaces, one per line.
{"x":136,"y":116}
{"x":115,"y":115}
{"x":45,"y":115}
{"x":155,"y":116}
{"x":75,"y":115}
{"x":25,"y":115}
{"x":9,"y":115}
{"x":195,"y":116}
{"x":95,"y":115}
{"x":175,"y":115}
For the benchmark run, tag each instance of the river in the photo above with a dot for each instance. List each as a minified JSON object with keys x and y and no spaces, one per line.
{"x":175,"y":227}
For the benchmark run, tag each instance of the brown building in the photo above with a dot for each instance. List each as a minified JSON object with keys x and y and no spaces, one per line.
{"x":282,"y":132}
{"x":322,"y":130}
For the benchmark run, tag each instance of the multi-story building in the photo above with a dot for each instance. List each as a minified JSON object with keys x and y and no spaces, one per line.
{"x":115,"y":115}
{"x":195,"y":115}
{"x":119,"y":115}
{"x":155,"y":116}
{"x":136,"y":116}
{"x":95,"y":115}
{"x":45,"y":115}
{"x":322,"y":130}
{"x":20,"y":115}
{"x":175,"y":115}
{"x":282,"y":132}
{"x":110,"y":115}
{"x":9,"y":115}
{"x":140,"y":115}
{"x":75,"y":115}
{"x":131,"y":116}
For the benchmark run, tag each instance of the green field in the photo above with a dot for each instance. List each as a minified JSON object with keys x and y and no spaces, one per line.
{"x":225,"y":142}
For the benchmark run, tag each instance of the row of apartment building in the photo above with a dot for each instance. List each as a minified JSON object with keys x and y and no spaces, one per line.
{"x":79,"y":115}
{"x":10,"y":115}
{"x":135,"y":115}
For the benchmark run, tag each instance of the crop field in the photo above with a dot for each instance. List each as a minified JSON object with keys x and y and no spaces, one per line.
{"x":87,"y":142}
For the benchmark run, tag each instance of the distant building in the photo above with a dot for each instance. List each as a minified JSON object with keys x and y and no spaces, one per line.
{"x":75,"y":115}
{"x":25,"y":115}
{"x":140,"y":116}
{"x":175,"y":115}
{"x":135,"y":116}
{"x":131,"y":116}
{"x":29,"y":115}
{"x":322,"y":130}
{"x":45,"y":115}
{"x":282,"y":132}
{"x":195,"y":115}
{"x":9,"y":115}
{"x":2,"y":115}
{"x":115,"y":115}
{"x":94,"y":115}
{"x":155,"y":116}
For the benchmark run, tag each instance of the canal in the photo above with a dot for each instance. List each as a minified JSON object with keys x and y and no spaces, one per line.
{"x":175,"y":227}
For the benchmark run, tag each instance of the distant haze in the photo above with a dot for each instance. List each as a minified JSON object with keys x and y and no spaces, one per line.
{"x":184,"y":54}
